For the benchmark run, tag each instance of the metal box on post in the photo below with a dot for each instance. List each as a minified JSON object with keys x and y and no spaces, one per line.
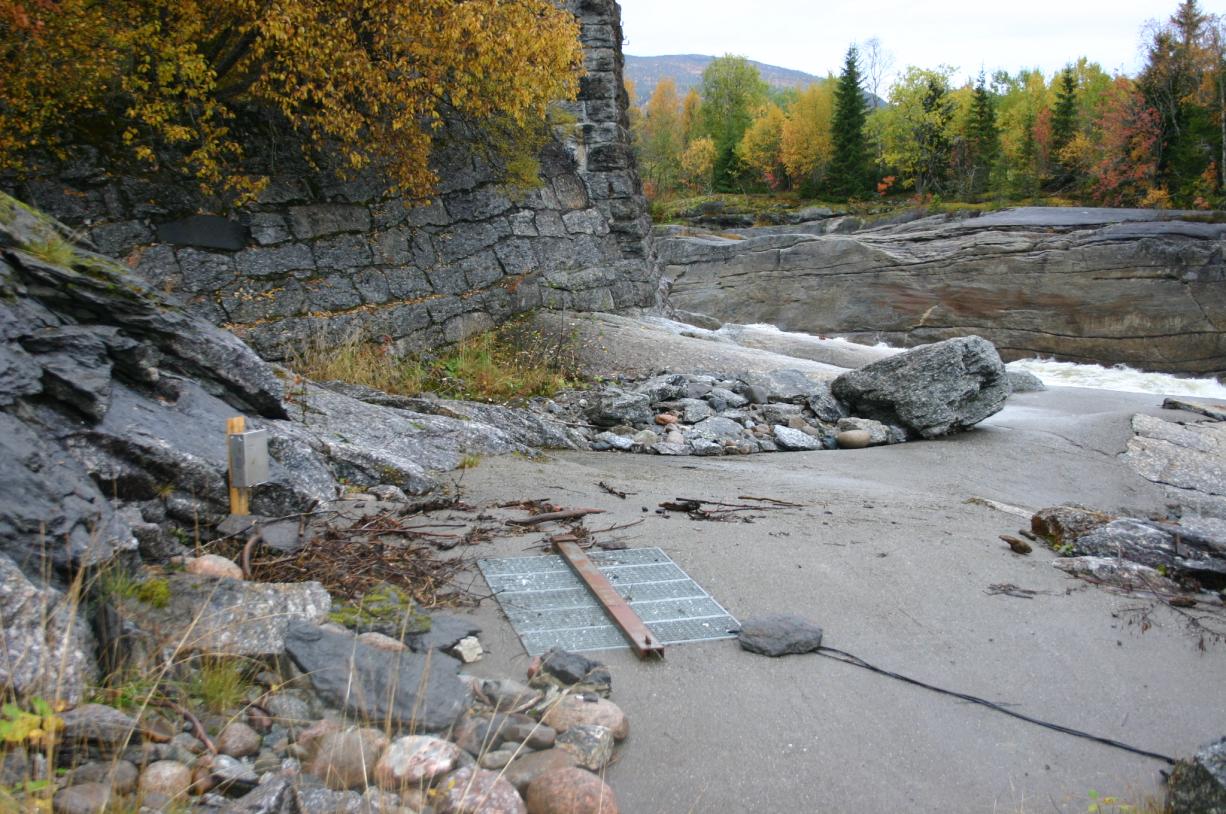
{"x":248,"y":459}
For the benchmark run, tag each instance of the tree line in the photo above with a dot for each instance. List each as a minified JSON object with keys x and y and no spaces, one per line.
{"x":197,"y":88}
{"x":1157,"y":139}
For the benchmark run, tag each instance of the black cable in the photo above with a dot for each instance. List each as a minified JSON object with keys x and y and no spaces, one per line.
{"x":856,"y":661}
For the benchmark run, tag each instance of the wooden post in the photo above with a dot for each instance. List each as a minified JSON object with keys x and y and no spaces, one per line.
{"x":240,"y":498}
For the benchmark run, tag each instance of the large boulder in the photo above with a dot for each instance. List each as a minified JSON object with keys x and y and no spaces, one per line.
{"x":930,"y":391}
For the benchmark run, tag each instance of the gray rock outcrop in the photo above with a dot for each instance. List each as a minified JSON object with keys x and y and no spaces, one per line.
{"x":46,"y":644}
{"x":1158,"y":547}
{"x":1188,"y":458}
{"x":223,"y":616}
{"x":930,"y":391}
{"x":113,"y":408}
{"x":1142,"y":287}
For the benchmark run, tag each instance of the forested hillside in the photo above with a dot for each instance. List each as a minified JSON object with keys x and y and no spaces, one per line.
{"x":1081,"y":135}
{"x":686,"y":71}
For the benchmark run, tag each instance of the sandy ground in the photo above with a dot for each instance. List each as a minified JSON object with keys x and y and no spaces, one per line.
{"x":889,"y":558}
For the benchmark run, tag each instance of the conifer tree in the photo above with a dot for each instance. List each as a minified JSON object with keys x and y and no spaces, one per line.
{"x":1064,"y":117}
{"x":849,"y":167}
{"x":984,"y":135}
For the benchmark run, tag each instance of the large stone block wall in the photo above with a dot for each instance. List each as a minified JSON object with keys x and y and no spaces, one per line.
{"x":316,"y":256}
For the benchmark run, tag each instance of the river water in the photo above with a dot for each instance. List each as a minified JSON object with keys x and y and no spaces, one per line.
{"x":1119,"y":378}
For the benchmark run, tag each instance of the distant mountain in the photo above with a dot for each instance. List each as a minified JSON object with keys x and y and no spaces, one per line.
{"x":686,"y":70}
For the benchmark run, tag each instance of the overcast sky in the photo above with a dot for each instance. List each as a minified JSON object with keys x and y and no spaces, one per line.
{"x":813,"y":36}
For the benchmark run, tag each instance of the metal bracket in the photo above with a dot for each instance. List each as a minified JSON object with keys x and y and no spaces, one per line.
{"x":640,"y":638}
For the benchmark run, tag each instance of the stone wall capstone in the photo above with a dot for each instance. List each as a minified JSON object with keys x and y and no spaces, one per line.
{"x":319,"y":257}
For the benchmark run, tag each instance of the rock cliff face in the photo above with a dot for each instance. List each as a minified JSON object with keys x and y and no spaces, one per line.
{"x":1139,"y":287}
{"x":113,"y":408}
{"x":315,"y":256}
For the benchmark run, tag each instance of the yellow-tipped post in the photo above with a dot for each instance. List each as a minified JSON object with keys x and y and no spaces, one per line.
{"x":240,"y":497}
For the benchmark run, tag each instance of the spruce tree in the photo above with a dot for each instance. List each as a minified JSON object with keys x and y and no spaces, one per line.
{"x":849,"y":164}
{"x":1064,"y":117}
{"x":984,"y":135}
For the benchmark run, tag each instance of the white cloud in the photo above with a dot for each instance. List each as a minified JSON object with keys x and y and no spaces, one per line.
{"x":813,"y":37}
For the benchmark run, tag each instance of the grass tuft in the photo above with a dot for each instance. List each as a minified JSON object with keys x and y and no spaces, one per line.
{"x":53,"y":250}
{"x":118,"y":583}
{"x":220,"y":684}
{"x":499,"y":366}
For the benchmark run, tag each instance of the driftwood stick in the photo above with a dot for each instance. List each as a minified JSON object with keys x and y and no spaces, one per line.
{"x":246,"y":558}
{"x":617,"y":528}
{"x":728,"y":505}
{"x":198,"y":729}
{"x":548,"y":517}
{"x":771,"y":500}
{"x":615,"y":492}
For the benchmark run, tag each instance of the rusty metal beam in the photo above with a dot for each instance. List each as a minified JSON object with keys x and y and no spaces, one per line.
{"x":632,"y":627}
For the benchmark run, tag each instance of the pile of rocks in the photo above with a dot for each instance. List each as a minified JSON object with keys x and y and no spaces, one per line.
{"x":296,"y":745}
{"x":927,"y":392}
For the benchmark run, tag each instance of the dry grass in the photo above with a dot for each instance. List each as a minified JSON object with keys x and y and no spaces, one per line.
{"x":499,"y":366}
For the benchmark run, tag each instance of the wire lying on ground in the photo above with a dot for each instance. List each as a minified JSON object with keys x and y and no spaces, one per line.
{"x":856,"y":661}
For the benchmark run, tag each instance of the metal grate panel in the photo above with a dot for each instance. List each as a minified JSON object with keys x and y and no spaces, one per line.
{"x":549,"y":607}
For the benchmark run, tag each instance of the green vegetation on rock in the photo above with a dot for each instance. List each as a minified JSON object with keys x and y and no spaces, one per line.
{"x":117,"y":585}
{"x":385,"y":609}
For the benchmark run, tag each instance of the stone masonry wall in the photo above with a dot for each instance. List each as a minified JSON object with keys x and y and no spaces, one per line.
{"x":316,"y":256}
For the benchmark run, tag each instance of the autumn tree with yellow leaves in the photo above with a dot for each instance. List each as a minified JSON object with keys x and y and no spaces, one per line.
{"x":192,"y":86}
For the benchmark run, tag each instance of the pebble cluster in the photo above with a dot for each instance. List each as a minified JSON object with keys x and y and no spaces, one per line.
{"x":539,"y":747}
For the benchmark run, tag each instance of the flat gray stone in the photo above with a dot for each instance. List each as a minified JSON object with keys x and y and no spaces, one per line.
{"x":783,"y":385}
{"x":612,"y":407}
{"x":716,"y":428}
{"x":1147,"y":543}
{"x":100,"y":726}
{"x":417,"y":692}
{"x":85,"y":798}
{"x":277,"y":796}
{"x":779,"y":635}
{"x":795,"y":440}
{"x":1023,"y":381}
{"x":1205,"y":408}
{"x":446,"y":630}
